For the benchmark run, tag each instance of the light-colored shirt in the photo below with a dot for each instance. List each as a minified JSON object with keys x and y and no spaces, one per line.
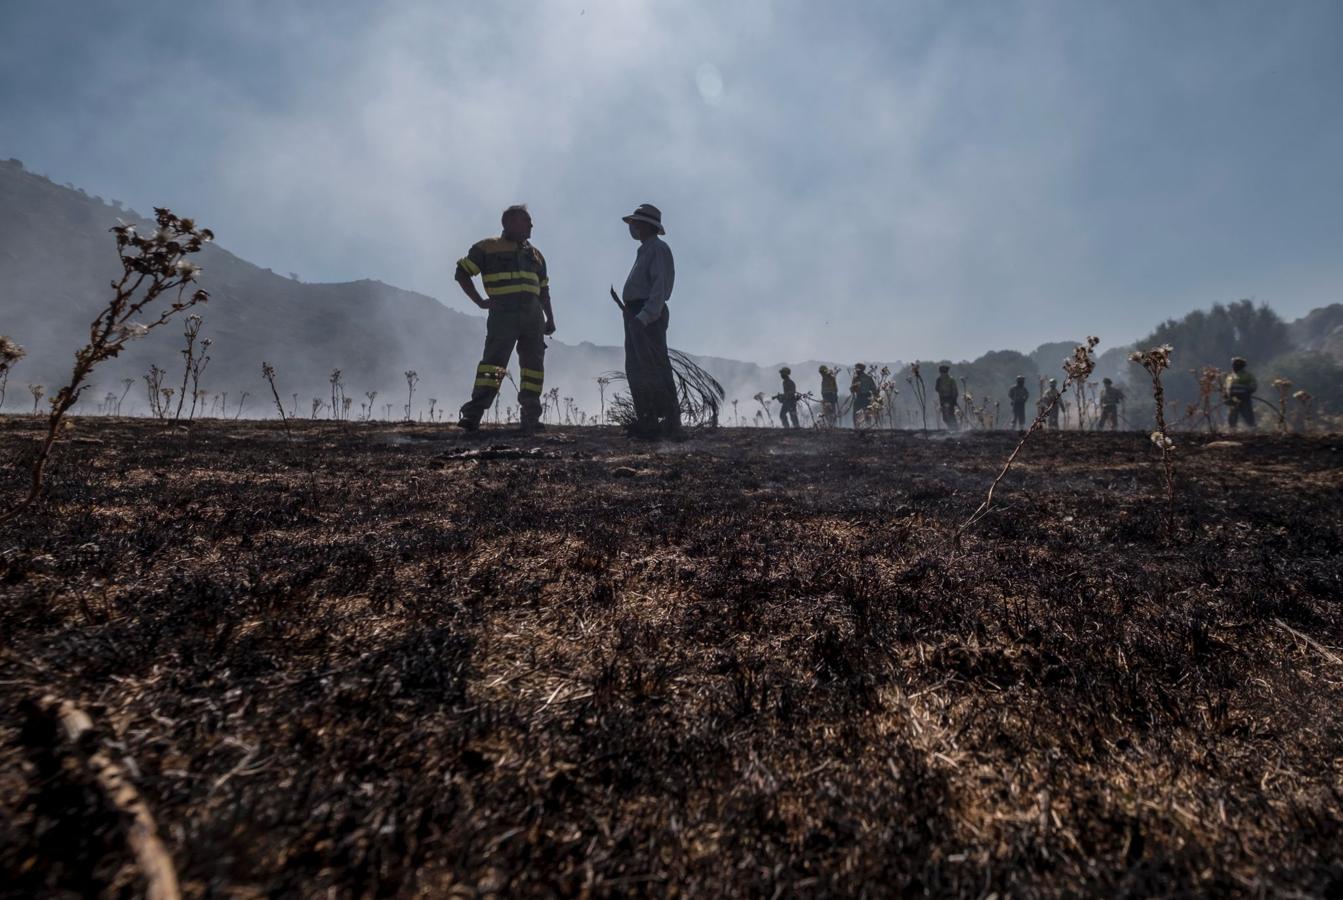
{"x":651,"y":279}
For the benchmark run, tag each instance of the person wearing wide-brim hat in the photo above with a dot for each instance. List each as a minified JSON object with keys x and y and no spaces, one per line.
{"x":657,"y":407}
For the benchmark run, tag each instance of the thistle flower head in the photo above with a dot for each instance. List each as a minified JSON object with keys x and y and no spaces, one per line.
{"x":1282,"y":384}
{"x":10,"y":352}
{"x":186,"y":269}
{"x":1162,"y":441}
{"x":133,"y":330}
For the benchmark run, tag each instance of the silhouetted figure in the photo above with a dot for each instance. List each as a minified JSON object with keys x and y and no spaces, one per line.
{"x":948,"y":397}
{"x":1052,"y":401}
{"x":1238,"y":394}
{"x":1018,"y":394}
{"x":787,"y":399}
{"x":514,"y":274}
{"x":1111,"y":397}
{"x":657,"y":408}
{"x":863,"y":388}
{"x":829,"y":396}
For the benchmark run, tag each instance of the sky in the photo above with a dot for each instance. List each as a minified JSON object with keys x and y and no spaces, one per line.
{"x":852,"y":180}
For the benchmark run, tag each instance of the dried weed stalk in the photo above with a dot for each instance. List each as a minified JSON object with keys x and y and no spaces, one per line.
{"x":1079,"y":367}
{"x":152,"y":266}
{"x":1156,"y":361}
{"x":10,"y":353}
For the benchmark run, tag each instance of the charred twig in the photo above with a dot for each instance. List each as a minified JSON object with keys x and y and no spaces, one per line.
{"x":75,"y":726}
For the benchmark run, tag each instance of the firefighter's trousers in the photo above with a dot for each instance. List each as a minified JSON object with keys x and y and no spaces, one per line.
{"x":1240,"y":410}
{"x":513,"y":321}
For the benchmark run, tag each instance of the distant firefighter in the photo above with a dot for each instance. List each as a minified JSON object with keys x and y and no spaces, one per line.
{"x":1052,"y":401}
{"x":1238,"y":394}
{"x":948,"y":397}
{"x":787,"y":399}
{"x":863,"y":389}
{"x":514,"y":273}
{"x":1019,"y":394}
{"x":1111,"y":397}
{"x":829,"y":396}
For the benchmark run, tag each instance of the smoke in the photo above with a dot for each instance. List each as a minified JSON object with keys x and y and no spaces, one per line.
{"x":865,"y":183}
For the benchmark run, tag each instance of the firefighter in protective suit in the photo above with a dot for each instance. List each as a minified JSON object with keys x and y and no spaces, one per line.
{"x":1018,"y":394}
{"x":787,"y":399}
{"x":948,"y":396}
{"x":829,"y":396}
{"x":518,"y":291}
{"x":1111,"y":397}
{"x":1050,"y":402}
{"x":863,"y":388}
{"x":1238,"y":394}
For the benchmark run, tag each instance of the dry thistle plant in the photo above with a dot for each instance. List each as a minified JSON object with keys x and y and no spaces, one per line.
{"x":10,"y":353}
{"x":337,"y":392}
{"x":190,"y":332}
{"x":1283,"y":387}
{"x":126,"y":385}
{"x":268,"y":372}
{"x":1078,"y":367}
{"x":764,"y":405}
{"x":920,"y":391}
{"x":151,"y":267}
{"x":38,"y":391}
{"x":411,"y":377}
{"x":1303,"y":400}
{"x":1156,"y":361}
{"x":1209,"y":382}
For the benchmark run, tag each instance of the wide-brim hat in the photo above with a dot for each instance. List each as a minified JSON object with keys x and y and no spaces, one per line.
{"x":649,"y":213}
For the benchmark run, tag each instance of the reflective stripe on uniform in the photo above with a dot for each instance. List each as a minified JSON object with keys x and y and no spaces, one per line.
{"x":510,"y":276}
{"x":489,"y":376}
{"x":470,"y":267}
{"x":545,"y":282}
{"x":532,"y":380}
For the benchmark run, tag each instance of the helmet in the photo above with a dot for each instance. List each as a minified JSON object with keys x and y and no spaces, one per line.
{"x":859,"y":367}
{"x":824,"y":370}
{"x":1053,"y":381}
{"x":944,"y":368}
{"x":1021,"y":378}
{"x":1237,"y":362}
{"x":785,"y":371}
{"x":1106,"y":380}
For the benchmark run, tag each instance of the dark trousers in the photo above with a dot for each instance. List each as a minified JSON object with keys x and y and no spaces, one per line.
{"x":1240,"y":410}
{"x":512,"y":322}
{"x":1109,"y":414}
{"x":788,"y":415}
{"x":648,"y":371}
{"x":949,"y":415}
{"x":860,"y":404}
{"x":1019,"y":414}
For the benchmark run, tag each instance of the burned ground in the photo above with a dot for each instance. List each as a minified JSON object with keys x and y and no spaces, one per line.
{"x":386,"y":659}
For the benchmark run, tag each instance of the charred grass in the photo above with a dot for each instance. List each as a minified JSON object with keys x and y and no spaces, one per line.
{"x":394,"y":660}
